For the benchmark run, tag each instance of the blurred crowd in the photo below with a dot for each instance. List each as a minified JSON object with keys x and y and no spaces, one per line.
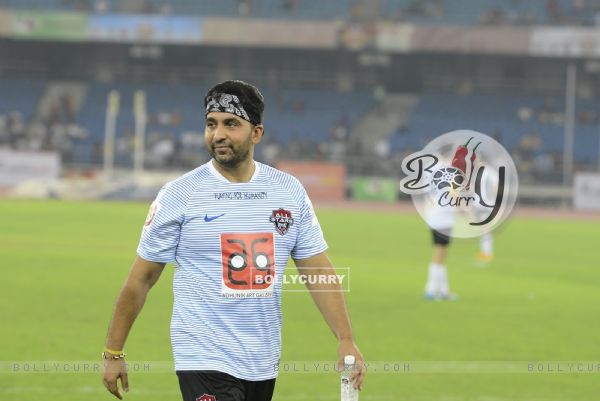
{"x":54,"y":130}
{"x":162,"y":7}
{"x":508,"y":12}
{"x":168,"y":145}
{"x":577,"y":12}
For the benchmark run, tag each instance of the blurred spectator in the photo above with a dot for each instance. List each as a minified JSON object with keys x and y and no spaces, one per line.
{"x":337,"y":151}
{"x":543,"y":163}
{"x":4,"y":137}
{"x":167,"y":118}
{"x":271,"y":151}
{"x":339,"y":130}
{"x":357,"y":12}
{"x":101,"y":6}
{"x":166,"y":8}
{"x":124,"y":143}
{"x":435,"y":9}
{"x":553,"y":10}
{"x":587,"y":117}
{"x":79,"y":5}
{"x":244,"y":8}
{"x":379,"y":94}
{"x":415,"y":8}
{"x":549,"y":112}
{"x":38,"y":133}
{"x":290,"y":5}
{"x":298,"y":107}
{"x":16,"y":130}
{"x":382,"y":148}
{"x":493,"y":17}
{"x":190,"y":150}
{"x":525,"y":113}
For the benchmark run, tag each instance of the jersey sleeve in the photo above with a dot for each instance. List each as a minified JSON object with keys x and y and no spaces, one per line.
{"x":160,"y":235}
{"x":309,"y":241}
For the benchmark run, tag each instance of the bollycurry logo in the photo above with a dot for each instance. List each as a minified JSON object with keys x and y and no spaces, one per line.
{"x":463,"y":183}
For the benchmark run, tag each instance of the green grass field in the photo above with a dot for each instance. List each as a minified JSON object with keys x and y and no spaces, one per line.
{"x":63,"y":265}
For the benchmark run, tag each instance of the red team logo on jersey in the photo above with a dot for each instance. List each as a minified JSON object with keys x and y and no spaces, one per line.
{"x":246,"y":257}
{"x":282,"y":219}
{"x":206,"y":397}
{"x":154,"y":207}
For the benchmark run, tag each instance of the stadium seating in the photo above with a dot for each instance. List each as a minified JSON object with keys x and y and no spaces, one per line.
{"x":20,"y":95}
{"x":310,"y":114}
{"x":307,"y":115}
{"x":496,"y":115}
{"x":455,"y":12}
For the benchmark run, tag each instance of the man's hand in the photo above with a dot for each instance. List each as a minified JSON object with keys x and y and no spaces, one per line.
{"x":142,"y":277}
{"x":113,"y":370}
{"x":330,"y":301}
{"x":357,"y":377}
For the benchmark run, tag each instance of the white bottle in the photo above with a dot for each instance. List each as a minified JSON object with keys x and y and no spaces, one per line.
{"x":349,"y":393}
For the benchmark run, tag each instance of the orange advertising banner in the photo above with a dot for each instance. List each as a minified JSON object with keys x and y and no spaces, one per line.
{"x":323,"y":181}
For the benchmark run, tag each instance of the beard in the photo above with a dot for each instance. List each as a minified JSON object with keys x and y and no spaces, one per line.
{"x":229,"y":155}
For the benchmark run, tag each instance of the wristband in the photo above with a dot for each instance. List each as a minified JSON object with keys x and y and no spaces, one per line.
{"x":113,"y":352}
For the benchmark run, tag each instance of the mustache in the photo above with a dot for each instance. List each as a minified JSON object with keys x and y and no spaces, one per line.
{"x":221,"y":144}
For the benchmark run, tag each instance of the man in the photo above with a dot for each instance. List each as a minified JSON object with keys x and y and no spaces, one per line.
{"x":230,"y":225}
{"x":441,"y":221}
{"x":437,"y":286}
{"x":486,"y":249}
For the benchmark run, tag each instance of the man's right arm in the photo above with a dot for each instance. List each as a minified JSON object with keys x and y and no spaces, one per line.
{"x":142,"y":277}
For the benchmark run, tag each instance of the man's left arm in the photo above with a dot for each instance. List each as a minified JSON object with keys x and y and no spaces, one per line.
{"x":329,"y":298}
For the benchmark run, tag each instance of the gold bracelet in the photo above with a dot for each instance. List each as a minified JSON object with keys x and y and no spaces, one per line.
{"x":107,"y":355}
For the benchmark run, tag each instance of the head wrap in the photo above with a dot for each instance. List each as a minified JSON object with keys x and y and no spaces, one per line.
{"x":228,"y":103}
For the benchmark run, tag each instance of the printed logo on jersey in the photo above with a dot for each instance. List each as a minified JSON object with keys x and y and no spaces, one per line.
{"x":208,"y":218}
{"x":154,"y":207}
{"x":282,"y":219}
{"x":206,"y":397}
{"x":248,"y":261}
{"x":238,"y":195}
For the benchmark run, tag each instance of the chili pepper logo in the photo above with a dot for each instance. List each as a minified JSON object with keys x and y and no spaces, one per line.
{"x":455,"y":178}
{"x":459,"y":161}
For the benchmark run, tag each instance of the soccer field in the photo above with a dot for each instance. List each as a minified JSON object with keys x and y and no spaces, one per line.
{"x":537,"y":302}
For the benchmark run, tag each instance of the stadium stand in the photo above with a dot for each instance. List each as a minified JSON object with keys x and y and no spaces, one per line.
{"x":18,"y":100}
{"x":530,"y":127}
{"x":300,"y":123}
{"x":301,"y":117}
{"x":20,"y":95}
{"x":455,"y":12}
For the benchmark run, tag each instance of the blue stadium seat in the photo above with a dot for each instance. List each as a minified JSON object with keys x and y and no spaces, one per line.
{"x":20,"y":95}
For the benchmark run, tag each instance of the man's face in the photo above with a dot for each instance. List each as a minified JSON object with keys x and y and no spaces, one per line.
{"x":230,"y":139}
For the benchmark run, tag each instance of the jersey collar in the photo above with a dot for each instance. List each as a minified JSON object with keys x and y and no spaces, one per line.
{"x":220,"y":176}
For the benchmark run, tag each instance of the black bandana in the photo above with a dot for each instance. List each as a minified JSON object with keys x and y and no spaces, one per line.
{"x":226,"y":103}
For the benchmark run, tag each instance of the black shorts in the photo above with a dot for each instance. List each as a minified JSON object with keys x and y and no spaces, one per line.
{"x":210,"y":385}
{"x":439,"y":238}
